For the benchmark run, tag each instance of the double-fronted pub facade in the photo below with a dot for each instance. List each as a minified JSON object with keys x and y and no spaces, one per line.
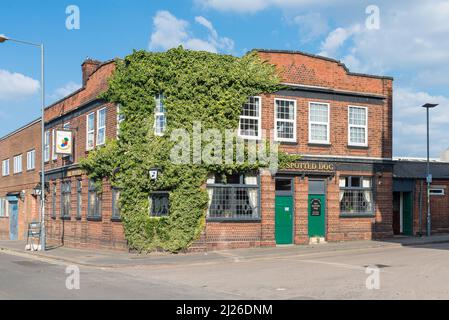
{"x":342,"y":188}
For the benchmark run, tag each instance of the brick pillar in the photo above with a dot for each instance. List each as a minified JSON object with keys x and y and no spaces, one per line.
{"x":268,"y":192}
{"x":333,"y":210}
{"x":301,"y":211}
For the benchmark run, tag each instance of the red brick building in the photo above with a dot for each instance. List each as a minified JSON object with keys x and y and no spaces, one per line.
{"x":341,"y":124}
{"x":341,"y":189}
{"x":410,"y":197}
{"x":76,"y":215}
{"x":20,"y":162}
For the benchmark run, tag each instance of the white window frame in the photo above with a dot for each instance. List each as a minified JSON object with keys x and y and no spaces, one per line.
{"x":4,"y":205}
{"x":441,"y":191}
{"x":54,"y":155}
{"x":354,"y":144}
{"x":119,"y":121}
{"x":259,"y":121}
{"x":158,"y":114}
{"x":103,"y":127}
{"x":47,"y":146}
{"x":5,"y":168}
{"x":327,"y":124}
{"x":91,"y":131}
{"x":31,"y":160}
{"x":295,"y":121}
{"x":18,"y":163}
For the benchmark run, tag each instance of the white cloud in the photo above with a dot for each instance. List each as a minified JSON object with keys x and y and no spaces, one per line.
{"x":311,"y":25}
{"x":412,"y":36}
{"x":64,"y":91}
{"x":16,"y":86}
{"x":252,"y":6}
{"x":170,"y":32}
{"x":336,"y":39}
{"x":410,"y":123}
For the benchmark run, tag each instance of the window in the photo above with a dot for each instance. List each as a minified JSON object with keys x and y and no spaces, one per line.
{"x":3,"y":208}
{"x":66,"y":189}
{"x":159,"y":204}
{"x":47,"y":146}
{"x":79,"y":198}
{"x":101,"y":127}
{"x":250,"y":126}
{"x":437,"y":191}
{"x":160,"y":119}
{"x":356,"y":196}
{"x":358,"y":126}
{"x":285,"y":120}
{"x":90,"y":134}
{"x":54,"y":155}
{"x":31,"y":160}
{"x":53,"y":201}
{"x":17,"y":164}
{"x":94,"y":202}
{"x":234,"y":197}
{"x":115,"y":204}
{"x":319,"y":123}
{"x":5,"y":167}
{"x":120,"y":119}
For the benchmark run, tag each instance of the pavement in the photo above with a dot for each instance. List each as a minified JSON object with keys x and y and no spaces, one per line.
{"x":118,"y":259}
{"x":407,"y":268}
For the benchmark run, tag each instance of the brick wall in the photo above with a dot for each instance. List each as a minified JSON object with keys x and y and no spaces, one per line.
{"x":20,"y":142}
{"x":84,"y":232}
{"x":439,"y":206}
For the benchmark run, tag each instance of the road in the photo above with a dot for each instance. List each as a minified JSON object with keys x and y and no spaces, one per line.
{"x":404,"y":273}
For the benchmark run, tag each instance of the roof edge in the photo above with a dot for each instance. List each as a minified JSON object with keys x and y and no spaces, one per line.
{"x":29,"y":124}
{"x":326,"y":59}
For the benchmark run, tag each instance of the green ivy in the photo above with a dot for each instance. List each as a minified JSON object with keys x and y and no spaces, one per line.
{"x":198,"y":86}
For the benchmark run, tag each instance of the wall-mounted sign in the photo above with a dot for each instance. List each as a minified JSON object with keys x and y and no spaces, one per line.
{"x":64,"y":142}
{"x":315,"y":206}
{"x":311,"y":167}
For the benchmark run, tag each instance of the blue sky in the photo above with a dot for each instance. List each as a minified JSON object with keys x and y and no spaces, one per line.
{"x":410,"y":44}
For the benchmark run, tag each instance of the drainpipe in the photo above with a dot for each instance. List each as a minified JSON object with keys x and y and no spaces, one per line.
{"x":420,"y":207}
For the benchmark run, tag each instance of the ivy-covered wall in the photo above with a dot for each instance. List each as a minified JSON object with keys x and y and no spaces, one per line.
{"x":198,"y":86}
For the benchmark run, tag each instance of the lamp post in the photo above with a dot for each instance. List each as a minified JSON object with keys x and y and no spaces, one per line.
{"x":3,"y":39}
{"x":428,"y":106}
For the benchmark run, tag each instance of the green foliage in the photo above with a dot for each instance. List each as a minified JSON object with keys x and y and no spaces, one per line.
{"x":198,"y":86}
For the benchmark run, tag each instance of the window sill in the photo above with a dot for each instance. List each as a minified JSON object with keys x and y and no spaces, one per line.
{"x":319,"y":144}
{"x":116,"y":220}
{"x":94,"y":219}
{"x":286,"y":142}
{"x":355,"y":215}
{"x":351,"y":146}
{"x":233,"y":220}
{"x":66,"y":218}
{"x":78,"y":218}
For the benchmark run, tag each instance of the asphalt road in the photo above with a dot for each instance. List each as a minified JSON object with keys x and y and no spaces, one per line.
{"x":404,"y":273}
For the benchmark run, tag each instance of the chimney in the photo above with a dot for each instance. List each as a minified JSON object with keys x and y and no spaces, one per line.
{"x":88,"y":67}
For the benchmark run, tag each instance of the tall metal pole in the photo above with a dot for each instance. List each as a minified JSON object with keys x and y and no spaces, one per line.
{"x":429,"y":176}
{"x":43,"y":235}
{"x":429,"y":216}
{"x":3,"y":38}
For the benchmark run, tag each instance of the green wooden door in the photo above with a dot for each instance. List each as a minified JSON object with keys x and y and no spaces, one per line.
{"x":284,"y":219}
{"x":317,"y":216}
{"x":407,"y":213}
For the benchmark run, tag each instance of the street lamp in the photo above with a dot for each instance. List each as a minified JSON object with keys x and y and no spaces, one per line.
{"x":3,"y":39}
{"x":428,"y":106}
